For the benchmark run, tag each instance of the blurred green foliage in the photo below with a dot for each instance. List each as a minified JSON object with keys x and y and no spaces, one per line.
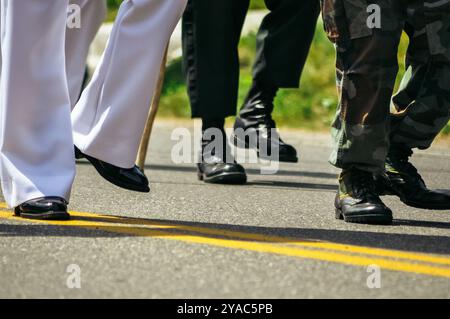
{"x":113,"y":6}
{"x":254,"y":4}
{"x":257,"y":4}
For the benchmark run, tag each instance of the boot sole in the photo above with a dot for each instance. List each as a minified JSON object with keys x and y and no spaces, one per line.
{"x":226,"y":178}
{"x":390,"y":192}
{"x":116,"y":182}
{"x":244,"y":145}
{"x":45,"y":216}
{"x":371,"y":219}
{"x":422,"y":206}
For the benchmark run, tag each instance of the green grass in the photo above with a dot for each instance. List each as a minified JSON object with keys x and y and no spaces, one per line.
{"x":310,"y":107}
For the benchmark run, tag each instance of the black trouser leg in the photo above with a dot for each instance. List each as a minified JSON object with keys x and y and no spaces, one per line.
{"x":284,"y":40}
{"x":211,"y":33}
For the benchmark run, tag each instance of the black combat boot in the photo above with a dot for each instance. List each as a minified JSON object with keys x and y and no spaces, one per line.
{"x":217,"y":164}
{"x":255,"y":119}
{"x":403,"y":180}
{"x":357,"y":200}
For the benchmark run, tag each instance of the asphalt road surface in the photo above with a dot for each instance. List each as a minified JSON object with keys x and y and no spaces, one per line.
{"x":276,"y":237}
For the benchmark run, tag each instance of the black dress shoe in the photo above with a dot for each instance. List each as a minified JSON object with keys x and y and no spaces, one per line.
{"x":44,"y":208}
{"x":357,"y":200}
{"x":219,"y":166}
{"x":255,"y":121}
{"x":403,"y":180}
{"x":129,"y":178}
{"x":221,"y":173}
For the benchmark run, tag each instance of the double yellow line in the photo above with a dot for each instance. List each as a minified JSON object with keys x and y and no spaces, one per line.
{"x":424,"y":264}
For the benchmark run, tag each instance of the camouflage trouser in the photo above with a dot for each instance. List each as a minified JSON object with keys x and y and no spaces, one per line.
{"x":367,"y":66}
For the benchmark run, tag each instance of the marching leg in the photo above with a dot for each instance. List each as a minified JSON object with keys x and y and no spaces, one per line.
{"x":366,"y":69}
{"x":109,"y":119}
{"x":213,"y":95}
{"x":283,"y":42}
{"x":423,"y":105}
{"x":36,"y":153}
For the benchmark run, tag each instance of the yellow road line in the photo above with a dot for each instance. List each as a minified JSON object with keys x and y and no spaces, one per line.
{"x":281,"y":240}
{"x":307,"y":243}
{"x":258,"y":243}
{"x":313,"y":244}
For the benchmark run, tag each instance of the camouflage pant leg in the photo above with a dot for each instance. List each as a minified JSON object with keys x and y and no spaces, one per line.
{"x":366,"y":70}
{"x":423,"y":103}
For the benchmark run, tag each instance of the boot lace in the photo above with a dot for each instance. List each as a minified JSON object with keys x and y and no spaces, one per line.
{"x":400,"y":161}
{"x":363,"y":183}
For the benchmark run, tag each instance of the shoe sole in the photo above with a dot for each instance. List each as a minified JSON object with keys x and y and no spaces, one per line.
{"x":115,"y":182}
{"x":390,"y":192}
{"x":244,"y":145}
{"x":421,"y":206}
{"x":225,"y":178}
{"x":371,"y":219}
{"x":45,"y":216}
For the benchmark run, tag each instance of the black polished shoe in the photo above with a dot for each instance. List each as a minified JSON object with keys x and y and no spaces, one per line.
{"x":357,"y":200}
{"x":221,"y":173}
{"x":129,"y":178}
{"x":254,"y":128}
{"x":219,"y":166}
{"x":44,"y":208}
{"x":403,"y":180}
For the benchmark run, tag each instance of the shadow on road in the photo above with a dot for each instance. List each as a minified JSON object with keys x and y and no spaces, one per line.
{"x":259,"y":183}
{"x":314,"y":186}
{"x":267,"y":184}
{"x":99,"y":226}
{"x":252,"y":171}
{"x":421,"y":223}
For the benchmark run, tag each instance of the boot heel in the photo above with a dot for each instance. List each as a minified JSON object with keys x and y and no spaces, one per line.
{"x":338,"y":214}
{"x":200,"y":176}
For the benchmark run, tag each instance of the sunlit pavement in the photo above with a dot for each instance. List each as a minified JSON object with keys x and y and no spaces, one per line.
{"x":275,"y":237}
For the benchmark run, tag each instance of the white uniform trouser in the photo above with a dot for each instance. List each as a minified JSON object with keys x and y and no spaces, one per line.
{"x":36,"y":151}
{"x":78,"y":41}
{"x":36,"y":146}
